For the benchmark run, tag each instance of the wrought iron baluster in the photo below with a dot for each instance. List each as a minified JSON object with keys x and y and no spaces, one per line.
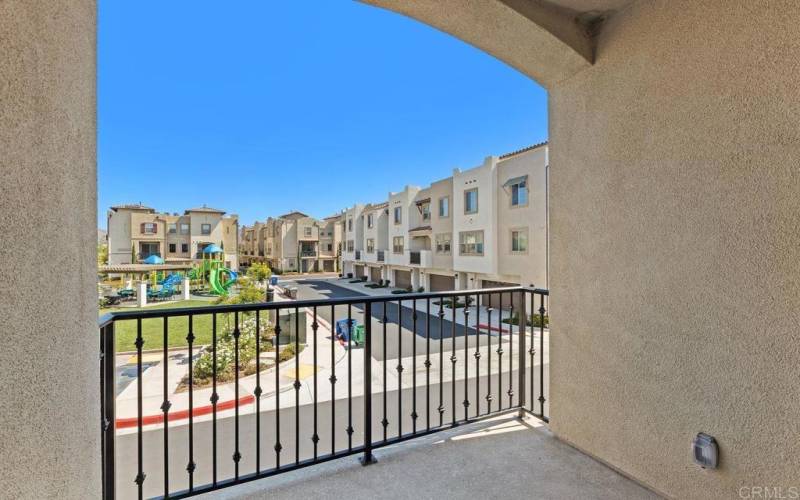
{"x":276,"y":340}
{"x":440,"y":409}
{"x":414,"y":368}
{"x":489,"y":397}
{"x":510,"y":391}
{"x":190,"y":467}
{"x":214,"y":399}
{"x":466,"y":357}
{"x":453,"y":360}
{"x":477,"y":355}
{"x":385,"y":421}
{"x":314,"y":328}
{"x":296,"y":386}
{"x":367,"y":458}
{"x":236,"y":454}
{"x":428,"y":365}
{"x":399,"y":368}
{"x":140,"y":476}
{"x":332,"y":380}
{"x":350,"y":331}
{"x":522,"y":328}
{"x":500,"y":353}
{"x":165,"y":405}
{"x":542,"y":310}
{"x":257,"y":391}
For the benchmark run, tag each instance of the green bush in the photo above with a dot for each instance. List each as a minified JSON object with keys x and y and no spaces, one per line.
{"x":536,"y":323}
{"x":203,"y":369}
{"x":259,"y":271}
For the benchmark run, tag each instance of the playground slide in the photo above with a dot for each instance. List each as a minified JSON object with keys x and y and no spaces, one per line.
{"x":216,"y":285}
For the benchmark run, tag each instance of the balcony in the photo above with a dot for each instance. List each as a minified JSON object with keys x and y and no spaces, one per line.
{"x":308,"y":253}
{"x":433,"y":370}
{"x":421,"y":258}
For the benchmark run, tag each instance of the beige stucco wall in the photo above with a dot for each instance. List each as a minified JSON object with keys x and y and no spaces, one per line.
{"x":49,"y":402}
{"x":529,"y":267}
{"x":676,"y":248}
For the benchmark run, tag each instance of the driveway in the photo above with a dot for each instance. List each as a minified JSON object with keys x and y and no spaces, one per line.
{"x":400,"y":332}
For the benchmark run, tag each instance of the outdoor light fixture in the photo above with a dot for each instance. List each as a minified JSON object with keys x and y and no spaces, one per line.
{"x":705,"y":451}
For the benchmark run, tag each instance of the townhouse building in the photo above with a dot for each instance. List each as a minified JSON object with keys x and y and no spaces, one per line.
{"x":293,"y":242}
{"x":482,"y":227}
{"x":136,"y":232}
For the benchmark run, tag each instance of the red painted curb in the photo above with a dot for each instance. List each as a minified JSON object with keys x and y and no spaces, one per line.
{"x":124,"y":423}
{"x":492,"y":328}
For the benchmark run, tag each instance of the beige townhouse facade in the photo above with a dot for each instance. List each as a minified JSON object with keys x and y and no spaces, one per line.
{"x":482,"y":227}
{"x":136,"y":232}
{"x":293,"y":242}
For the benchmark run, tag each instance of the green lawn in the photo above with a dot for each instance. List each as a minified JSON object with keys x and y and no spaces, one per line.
{"x":153,"y":329}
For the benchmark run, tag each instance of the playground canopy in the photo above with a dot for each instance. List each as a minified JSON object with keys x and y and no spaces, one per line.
{"x":212,"y":248}
{"x":153,"y":259}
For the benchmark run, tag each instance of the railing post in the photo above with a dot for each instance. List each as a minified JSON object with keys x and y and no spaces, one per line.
{"x":522,"y":327}
{"x":108,"y":405}
{"x":368,"y":458}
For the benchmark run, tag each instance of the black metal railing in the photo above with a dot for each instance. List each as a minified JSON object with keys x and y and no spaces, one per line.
{"x":478,"y":361}
{"x":381,"y":255}
{"x":414,"y":257}
{"x":358,"y":254}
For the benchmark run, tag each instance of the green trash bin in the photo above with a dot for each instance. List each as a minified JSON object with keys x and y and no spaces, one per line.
{"x":358,"y":335}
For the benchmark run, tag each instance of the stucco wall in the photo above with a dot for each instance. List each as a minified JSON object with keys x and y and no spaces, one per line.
{"x":49,"y":402}
{"x":676,"y":245}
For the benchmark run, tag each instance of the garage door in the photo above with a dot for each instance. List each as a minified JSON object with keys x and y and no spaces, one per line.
{"x":495,"y":300}
{"x":327,"y":266}
{"x":442,"y":283}
{"x":402,"y":279}
{"x":359,"y":271}
{"x":375,"y":274}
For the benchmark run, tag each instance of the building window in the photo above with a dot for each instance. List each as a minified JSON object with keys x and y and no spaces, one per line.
{"x":330,"y":247}
{"x":307,"y":231}
{"x":369,"y":220}
{"x":370,"y":245}
{"x":443,"y":243}
{"x":444,"y":206}
{"x":426,"y":211}
{"x":172,"y":247}
{"x":519,"y":240}
{"x":350,"y":245}
{"x":184,"y":228}
{"x":205,"y":229}
{"x":185,"y":247}
{"x":471,"y":201}
{"x":519,"y":194}
{"x":397,"y":244}
{"x":470,"y":243}
{"x":398,"y":215}
{"x":172,"y":228}
{"x":349,"y":224}
{"x":269,"y":249}
{"x":149,"y":228}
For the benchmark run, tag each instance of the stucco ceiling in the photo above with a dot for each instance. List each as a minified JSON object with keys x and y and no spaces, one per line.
{"x":591,"y":5}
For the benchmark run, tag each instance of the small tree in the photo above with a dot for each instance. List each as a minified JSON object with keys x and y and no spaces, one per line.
{"x":102,"y":254}
{"x":259,"y":271}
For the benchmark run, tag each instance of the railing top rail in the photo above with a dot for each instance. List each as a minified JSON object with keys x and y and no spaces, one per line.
{"x":290,"y":304}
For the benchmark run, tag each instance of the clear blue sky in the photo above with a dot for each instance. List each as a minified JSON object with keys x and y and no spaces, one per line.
{"x":261,"y":107}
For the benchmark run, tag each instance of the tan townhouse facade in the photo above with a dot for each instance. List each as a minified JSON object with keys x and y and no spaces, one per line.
{"x":136,"y":232}
{"x":481,"y":227}
{"x":293,"y":242}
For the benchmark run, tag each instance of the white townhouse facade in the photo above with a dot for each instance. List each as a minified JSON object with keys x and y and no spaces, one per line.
{"x":483,"y":227}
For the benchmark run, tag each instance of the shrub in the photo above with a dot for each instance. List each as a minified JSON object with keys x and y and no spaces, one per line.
{"x":259,"y":271}
{"x":203,"y":369}
{"x":536,"y":323}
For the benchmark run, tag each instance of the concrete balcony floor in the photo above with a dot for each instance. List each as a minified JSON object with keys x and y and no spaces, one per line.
{"x":503,"y":457}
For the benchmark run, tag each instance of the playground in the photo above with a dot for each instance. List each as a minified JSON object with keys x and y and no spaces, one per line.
{"x":153,"y":280}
